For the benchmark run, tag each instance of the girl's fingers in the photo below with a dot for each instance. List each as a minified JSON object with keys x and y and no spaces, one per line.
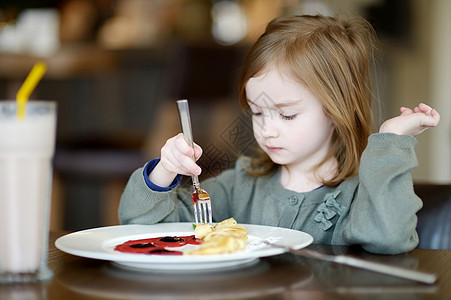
{"x":186,"y":155}
{"x":435,"y":115}
{"x":197,"y":151}
{"x":433,"y":118}
{"x":168,"y":160}
{"x":423,"y":108}
{"x":182,"y":145}
{"x":188,"y":165}
{"x":405,"y":111}
{"x":177,"y":156}
{"x":429,"y":117}
{"x":420,"y":109}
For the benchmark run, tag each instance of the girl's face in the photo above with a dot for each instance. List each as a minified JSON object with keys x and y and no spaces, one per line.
{"x":288,"y":120}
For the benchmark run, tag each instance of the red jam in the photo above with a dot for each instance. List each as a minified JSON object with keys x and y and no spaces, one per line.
{"x":199,"y":194}
{"x":158,"y":245}
{"x":194,"y":197}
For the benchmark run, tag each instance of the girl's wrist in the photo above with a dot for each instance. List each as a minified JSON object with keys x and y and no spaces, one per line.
{"x":161,"y":177}
{"x":387,"y":127}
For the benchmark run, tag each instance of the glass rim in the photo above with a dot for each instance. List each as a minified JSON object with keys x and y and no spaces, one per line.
{"x":32,"y":102}
{"x":9,"y":109}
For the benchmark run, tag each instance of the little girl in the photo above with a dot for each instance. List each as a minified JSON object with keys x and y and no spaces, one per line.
{"x":320,"y":170}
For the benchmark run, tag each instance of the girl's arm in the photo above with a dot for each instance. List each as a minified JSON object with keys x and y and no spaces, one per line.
{"x":149,"y":196}
{"x":144,"y":203}
{"x":383,"y":217}
{"x":141,"y":204}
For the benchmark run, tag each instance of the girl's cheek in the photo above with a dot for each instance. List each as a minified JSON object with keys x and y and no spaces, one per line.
{"x":257,"y":130}
{"x":256,"y":125}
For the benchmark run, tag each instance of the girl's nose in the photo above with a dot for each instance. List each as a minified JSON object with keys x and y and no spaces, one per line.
{"x":268,"y":126}
{"x":269,"y":131}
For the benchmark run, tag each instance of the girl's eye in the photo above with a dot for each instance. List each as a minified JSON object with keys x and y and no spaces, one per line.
{"x":290,"y":117}
{"x":256,"y":113}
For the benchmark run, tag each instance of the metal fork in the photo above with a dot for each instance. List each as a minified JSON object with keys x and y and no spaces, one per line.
{"x":200,"y":198}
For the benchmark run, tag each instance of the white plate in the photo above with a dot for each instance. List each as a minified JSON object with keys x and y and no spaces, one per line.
{"x":99,"y":243}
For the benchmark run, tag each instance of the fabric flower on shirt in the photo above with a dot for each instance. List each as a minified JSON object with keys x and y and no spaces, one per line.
{"x":329,"y":209}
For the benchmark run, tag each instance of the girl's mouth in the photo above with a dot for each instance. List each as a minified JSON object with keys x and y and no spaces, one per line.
{"x":273,"y":149}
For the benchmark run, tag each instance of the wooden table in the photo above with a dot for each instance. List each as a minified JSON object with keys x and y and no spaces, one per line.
{"x":280,"y":277}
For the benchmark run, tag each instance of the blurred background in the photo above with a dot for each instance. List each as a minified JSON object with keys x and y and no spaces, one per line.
{"x":116,"y":67}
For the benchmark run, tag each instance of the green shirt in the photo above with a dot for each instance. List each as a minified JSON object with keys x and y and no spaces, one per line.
{"x":375,"y":209}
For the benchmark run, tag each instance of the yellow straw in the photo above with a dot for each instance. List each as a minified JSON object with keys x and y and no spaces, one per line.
{"x":28,"y":86}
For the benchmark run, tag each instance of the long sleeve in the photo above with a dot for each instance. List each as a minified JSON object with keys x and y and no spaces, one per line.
{"x":230,"y":192}
{"x":382,"y":217}
{"x":142,"y":205}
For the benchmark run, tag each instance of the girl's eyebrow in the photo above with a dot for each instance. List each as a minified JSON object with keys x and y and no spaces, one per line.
{"x":289,"y":103}
{"x":279,"y":105}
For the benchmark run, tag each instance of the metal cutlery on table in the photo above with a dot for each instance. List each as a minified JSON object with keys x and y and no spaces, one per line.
{"x":200,"y":198}
{"x":414,"y":275}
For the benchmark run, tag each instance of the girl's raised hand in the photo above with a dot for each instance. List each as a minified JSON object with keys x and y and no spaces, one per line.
{"x":412,"y":122}
{"x":176,"y":158}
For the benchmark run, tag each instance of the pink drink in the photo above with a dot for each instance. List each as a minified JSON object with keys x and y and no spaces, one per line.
{"x":26,"y":150}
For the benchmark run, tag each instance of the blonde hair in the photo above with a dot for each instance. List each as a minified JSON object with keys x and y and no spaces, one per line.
{"x":332,"y":57}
